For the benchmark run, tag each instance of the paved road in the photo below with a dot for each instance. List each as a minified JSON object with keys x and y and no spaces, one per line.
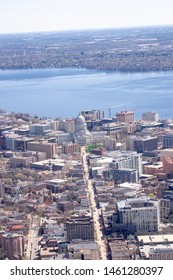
{"x":33,"y":239}
{"x":94,"y":210}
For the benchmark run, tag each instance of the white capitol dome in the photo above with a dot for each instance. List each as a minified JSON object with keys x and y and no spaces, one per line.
{"x":80,"y":125}
{"x":80,"y":120}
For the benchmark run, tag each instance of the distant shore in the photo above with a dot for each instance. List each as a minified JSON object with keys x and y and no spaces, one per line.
{"x":124,"y":51}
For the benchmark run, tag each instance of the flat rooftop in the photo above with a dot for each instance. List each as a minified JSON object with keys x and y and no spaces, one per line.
{"x":157,"y":239}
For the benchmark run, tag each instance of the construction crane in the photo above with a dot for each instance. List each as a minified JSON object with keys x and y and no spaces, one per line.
{"x":114,"y":107}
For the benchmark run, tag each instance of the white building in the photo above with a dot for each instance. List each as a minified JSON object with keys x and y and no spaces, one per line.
{"x":141,"y":212}
{"x":150,"y":116}
{"x":82,"y":136}
{"x":63,"y":137}
{"x":128,"y":160}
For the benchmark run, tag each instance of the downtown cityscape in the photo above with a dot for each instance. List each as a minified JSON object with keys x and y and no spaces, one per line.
{"x":86,"y":188}
{"x":86,"y":133}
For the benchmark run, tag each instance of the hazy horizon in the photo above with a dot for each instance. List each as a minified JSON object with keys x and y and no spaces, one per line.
{"x":91,"y":29}
{"x":23,"y":16}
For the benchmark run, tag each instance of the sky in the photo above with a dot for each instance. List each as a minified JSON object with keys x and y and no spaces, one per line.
{"x":55,"y":15}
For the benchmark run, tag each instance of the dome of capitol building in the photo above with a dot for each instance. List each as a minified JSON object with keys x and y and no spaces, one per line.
{"x":80,"y":125}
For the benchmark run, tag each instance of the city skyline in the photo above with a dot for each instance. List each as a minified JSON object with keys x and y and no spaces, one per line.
{"x":19,"y":16}
{"x":97,"y":185}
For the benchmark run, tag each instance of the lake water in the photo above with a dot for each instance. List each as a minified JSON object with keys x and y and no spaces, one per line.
{"x":65,"y":92}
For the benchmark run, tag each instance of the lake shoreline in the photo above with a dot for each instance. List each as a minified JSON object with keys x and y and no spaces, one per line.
{"x":64,"y":92}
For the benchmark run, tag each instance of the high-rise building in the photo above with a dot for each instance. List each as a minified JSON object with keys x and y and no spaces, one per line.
{"x":42,"y":146}
{"x":93,"y":114}
{"x":147,"y":144}
{"x":10,"y":140}
{"x":128,"y":160}
{"x":70,"y":148}
{"x":21,"y":161}
{"x":39,"y":129}
{"x":110,"y":143}
{"x":167,"y":164}
{"x":150,"y":116}
{"x":62,"y":137}
{"x":13,"y":245}
{"x":69,"y":125}
{"x":139,"y":214}
{"x":130,"y":143}
{"x":53,"y":124}
{"x":125,"y":116}
{"x":167,"y":141}
{"x":80,"y":227}
{"x":164,"y":209}
{"x":118,"y":175}
{"x":125,"y":175}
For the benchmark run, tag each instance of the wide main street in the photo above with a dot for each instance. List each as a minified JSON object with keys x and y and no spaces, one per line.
{"x":33,"y":239}
{"x":32,"y":246}
{"x":94,"y":210}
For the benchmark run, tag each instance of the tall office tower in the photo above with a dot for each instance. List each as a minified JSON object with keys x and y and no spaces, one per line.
{"x":150,"y":116}
{"x":13,"y":245}
{"x":125,"y":116}
{"x":167,"y":141}
{"x":80,"y":227}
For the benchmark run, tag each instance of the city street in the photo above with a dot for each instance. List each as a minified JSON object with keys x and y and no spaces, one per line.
{"x":33,"y":239}
{"x":94,"y":210}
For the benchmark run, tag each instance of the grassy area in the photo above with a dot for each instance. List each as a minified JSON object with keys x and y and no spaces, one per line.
{"x":91,"y":147}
